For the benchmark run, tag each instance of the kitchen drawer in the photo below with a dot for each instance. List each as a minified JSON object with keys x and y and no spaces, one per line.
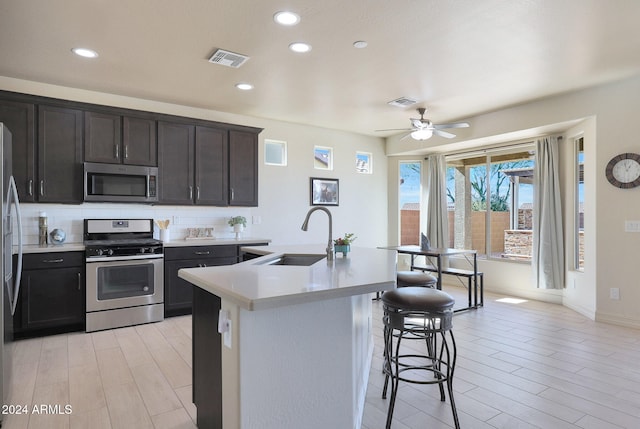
{"x":37,"y":261}
{"x":200,"y":252}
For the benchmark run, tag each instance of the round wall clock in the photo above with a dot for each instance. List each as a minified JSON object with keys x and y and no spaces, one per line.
{"x":623,"y":170}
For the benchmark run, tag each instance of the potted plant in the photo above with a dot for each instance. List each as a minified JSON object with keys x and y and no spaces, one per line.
{"x":238,"y":223}
{"x":343,"y":244}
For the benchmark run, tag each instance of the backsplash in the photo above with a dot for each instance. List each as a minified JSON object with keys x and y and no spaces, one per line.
{"x":70,"y":218}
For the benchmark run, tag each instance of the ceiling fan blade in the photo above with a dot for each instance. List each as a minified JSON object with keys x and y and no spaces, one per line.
{"x":405,"y":136}
{"x":443,"y":134}
{"x":453,"y":125}
{"x":396,"y":129}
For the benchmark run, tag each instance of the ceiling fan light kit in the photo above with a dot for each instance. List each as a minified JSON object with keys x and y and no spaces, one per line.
{"x":423,"y":134}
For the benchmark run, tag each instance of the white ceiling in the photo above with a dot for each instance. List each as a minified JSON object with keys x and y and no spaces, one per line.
{"x":457,"y":57}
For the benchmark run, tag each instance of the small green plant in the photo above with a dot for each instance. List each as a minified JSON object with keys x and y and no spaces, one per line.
{"x":347,"y":239}
{"x":238,"y":220}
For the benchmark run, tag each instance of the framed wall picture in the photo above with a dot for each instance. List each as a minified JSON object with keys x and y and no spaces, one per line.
{"x":323,"y":158}
{"x":275,"y":152}
{"x":364,"y":162}
{"x":324,"y":192}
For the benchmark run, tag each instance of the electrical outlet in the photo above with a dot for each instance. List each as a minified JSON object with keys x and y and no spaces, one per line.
{"x":614,"y":293}
{"x":632,"y":226}
{"x":256,"y":220}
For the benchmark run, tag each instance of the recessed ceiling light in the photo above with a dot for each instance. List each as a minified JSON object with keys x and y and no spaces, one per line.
{"x":360,"y":44}
{"x":84,"y":52}
{"x":244,"y":86}
{"x":300,"y":47}
{"x":286,"y":18}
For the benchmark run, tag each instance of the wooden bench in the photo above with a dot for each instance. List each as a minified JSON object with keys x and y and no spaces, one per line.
{"x":468,"y":274}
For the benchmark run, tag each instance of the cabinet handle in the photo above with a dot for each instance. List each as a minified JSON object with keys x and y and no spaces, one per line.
{"x":190,"y":192}
{"x":232,"y":195}
{"x":42,"y":188}
{"x":79,"y":281}
{"x":30,"y":186}
{"x":197,"y":192}
{"x":53,"y":261}
{"x":126,"y":152}
{"x":117,"y":148}
{"x":202,"y":253}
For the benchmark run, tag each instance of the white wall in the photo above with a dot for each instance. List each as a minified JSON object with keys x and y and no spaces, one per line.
{"x":283,"y":191}
{"x":607,"y":114}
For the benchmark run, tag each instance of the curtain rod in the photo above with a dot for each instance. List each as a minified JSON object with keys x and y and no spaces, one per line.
{"x":486,"y":150}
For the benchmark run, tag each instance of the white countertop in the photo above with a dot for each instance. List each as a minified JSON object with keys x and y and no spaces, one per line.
{"x":253,"y":285}
{"x":65,"y":247}
{"x":73,"y":247}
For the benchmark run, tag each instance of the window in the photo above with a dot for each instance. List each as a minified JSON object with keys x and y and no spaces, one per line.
{"x":579,"y":204}
{"x":491,"y":202}
{"x":410,"y":200}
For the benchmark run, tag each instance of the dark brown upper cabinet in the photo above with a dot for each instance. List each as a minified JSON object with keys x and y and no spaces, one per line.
{"x":114,"y":139}
{"x":20,"y":120}
{"x":59,"y":155}
{"x":140,"y":146}
{"x":243,"y":168}
{"x":207,"y":165}
{"x":175,"y":163}
{"x":200,"y":162}
{"x":211,"y":172}
{"x":192,"y":164}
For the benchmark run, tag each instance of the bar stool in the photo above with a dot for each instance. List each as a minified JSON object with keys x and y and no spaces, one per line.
{"x":423,"y":314}
{"x":415,"y":278}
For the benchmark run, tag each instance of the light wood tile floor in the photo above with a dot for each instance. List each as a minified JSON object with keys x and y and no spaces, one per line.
{"x":527,"y":365}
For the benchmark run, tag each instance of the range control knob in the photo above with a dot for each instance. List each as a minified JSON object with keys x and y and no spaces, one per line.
{"x":110,"y":252}
{"x":143,"y":250}
{"x":99,"y":252}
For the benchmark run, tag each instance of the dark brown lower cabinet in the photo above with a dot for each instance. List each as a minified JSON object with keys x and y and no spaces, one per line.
{"x":178,"y":293}
{"x":52,"y":294}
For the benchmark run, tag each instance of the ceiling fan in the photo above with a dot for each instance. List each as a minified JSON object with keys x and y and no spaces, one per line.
{"x":423,"y":129}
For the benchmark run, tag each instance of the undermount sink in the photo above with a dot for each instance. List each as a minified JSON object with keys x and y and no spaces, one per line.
{"x":292,"y":259}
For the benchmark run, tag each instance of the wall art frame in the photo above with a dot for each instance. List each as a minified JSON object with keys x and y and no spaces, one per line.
{"x":324,"y":191}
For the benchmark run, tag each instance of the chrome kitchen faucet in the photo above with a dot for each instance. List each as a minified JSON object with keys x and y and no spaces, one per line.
{"x":305,"y":226}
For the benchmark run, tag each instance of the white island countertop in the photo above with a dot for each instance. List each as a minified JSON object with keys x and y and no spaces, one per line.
{"x":256,"y":285}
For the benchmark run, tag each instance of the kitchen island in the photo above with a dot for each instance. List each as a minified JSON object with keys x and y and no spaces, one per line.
{"x":298,"y":346}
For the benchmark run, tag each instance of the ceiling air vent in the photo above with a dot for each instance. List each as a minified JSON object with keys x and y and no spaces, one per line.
{"x":227,"y":58}
{"x":402,"y":102}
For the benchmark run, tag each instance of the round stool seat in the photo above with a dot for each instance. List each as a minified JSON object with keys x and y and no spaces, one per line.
{"x":418,"y":299}
{"x":415,"y":278}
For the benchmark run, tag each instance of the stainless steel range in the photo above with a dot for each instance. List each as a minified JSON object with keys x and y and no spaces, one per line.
{"x":124,"y":267}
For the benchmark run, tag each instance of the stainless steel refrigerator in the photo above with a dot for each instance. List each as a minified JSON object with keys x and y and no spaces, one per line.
{"x":11,"y":279}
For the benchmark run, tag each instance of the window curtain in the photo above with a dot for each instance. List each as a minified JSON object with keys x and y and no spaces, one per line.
{"x":437,"y":220}
{"x":548,"y":237}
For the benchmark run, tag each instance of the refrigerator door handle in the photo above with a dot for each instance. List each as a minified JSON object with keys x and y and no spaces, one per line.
{"x":18,"y":275}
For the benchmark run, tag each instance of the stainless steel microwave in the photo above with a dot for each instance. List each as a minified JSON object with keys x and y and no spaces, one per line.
{"x":120,"y":183}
